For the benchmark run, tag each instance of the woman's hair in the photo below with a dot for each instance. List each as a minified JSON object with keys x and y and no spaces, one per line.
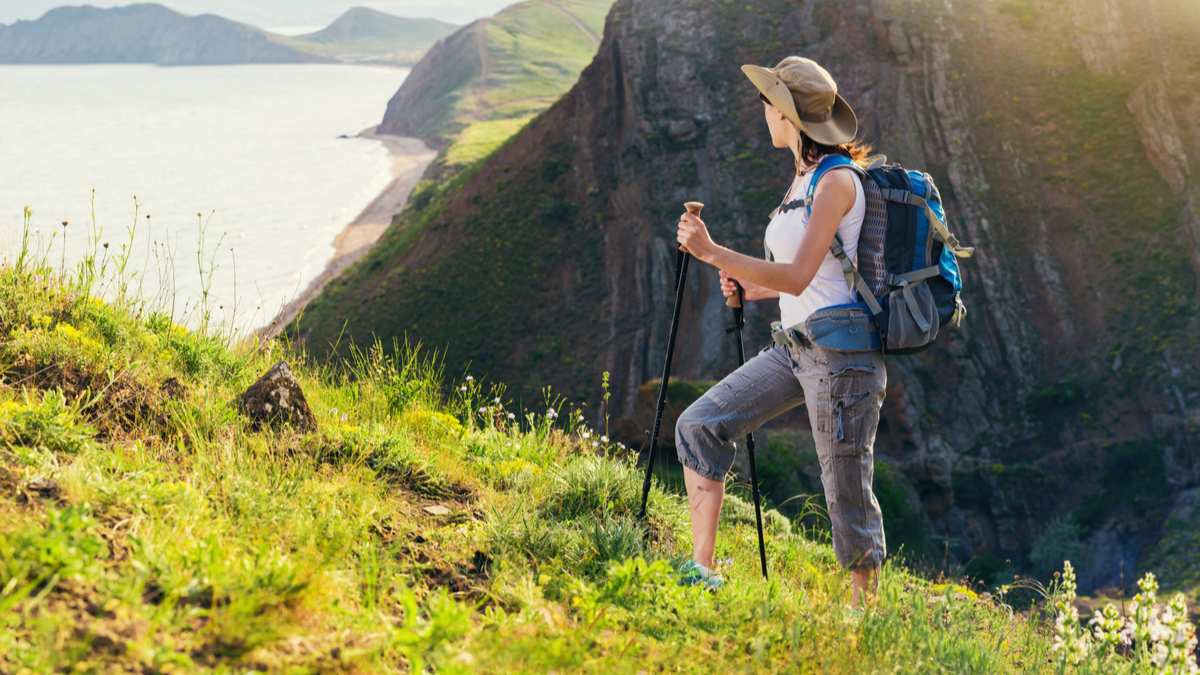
{"x":811,"y":151}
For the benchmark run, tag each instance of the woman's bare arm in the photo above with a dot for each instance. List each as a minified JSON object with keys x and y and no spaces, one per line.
{"x":833,"y":199}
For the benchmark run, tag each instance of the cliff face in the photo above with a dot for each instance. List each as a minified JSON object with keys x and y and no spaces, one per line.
{"x":144,"y":33}
{"x":1066,"y":156}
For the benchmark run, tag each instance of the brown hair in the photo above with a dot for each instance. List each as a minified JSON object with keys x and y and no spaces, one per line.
{"x":811,"y":151}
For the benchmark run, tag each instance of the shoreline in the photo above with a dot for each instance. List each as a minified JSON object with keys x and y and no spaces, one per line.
{"x":409,"y":157}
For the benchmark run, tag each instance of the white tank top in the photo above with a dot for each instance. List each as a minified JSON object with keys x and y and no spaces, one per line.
{"x":783,"y":237}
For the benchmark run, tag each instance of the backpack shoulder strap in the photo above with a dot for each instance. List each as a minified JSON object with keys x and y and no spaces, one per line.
{"x":828,"y":163}
{"x":854,"y":280}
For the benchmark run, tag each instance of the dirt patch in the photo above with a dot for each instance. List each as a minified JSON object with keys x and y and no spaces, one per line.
{"x":119,"y":407}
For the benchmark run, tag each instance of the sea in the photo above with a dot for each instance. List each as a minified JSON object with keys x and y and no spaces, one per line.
{"x":225,"y":184}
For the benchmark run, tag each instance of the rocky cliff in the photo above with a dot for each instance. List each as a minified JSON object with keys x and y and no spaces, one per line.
{"x":143,"y":33}
{"x":1062,"y":420}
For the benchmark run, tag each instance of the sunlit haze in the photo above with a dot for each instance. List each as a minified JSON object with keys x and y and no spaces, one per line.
{"x":281,"y":13}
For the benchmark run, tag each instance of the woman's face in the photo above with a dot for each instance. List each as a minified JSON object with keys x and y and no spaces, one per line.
{"x":779,"y":126}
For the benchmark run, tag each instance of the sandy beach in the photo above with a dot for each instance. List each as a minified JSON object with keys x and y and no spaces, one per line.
{"x":409,"y":159}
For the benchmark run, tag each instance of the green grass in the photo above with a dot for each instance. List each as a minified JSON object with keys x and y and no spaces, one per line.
{"x":480,"y":139}
{"x":534,"y":51}
{"x":534,"y":54}
{"x":148,"y":528}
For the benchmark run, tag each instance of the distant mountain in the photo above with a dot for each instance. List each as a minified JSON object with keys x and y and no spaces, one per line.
{"x":363,"y":24}
{"x":363,"y":35}
{"x":142,"y":33}
{"x":511,"y":65}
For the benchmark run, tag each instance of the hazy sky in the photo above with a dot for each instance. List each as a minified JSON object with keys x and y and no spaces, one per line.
{"x":278,"y":13}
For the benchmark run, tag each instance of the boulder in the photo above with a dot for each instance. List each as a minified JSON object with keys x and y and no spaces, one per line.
{"x":276,"y":399}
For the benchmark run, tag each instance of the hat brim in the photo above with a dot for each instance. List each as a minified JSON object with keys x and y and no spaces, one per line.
{"x":842,"y":126}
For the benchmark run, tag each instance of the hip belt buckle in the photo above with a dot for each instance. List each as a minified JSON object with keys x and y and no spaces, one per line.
{"x":793,"y":336}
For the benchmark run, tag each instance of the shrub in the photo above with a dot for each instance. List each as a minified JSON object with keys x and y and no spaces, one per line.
{"x":593,"y":485}
{"x":49,"y":425}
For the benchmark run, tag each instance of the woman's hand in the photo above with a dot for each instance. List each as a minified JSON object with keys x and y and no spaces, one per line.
{"x":750,"y":292}
{"x":693,"y":236}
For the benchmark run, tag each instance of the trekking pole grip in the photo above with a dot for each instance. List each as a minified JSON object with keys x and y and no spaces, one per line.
{"x":735,"y":300}
{"x":694,"y":209}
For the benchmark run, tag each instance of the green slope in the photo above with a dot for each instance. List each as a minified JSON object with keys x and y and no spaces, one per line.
{"x":496,"y":74}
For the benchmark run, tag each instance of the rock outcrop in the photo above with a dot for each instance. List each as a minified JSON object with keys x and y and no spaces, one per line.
{"x":142,"y":33}
{"x":1160,"y":135}
{"x":276,"y":399}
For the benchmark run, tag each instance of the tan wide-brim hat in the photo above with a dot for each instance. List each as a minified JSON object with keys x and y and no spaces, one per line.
{"x":807,"y":95}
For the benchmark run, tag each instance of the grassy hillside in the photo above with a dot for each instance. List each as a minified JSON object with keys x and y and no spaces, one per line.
{"x":364,"y":35}
{"x":488,"y":79}
{"x":145,"y":526}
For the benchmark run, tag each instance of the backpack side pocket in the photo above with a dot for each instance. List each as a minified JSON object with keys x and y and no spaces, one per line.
{"x":908,"y":308}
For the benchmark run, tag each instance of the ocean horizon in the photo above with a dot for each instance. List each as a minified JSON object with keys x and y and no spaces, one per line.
{"x":266,"y":154}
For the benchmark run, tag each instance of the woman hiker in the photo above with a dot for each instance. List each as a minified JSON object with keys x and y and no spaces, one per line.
{"x":844,"y":391}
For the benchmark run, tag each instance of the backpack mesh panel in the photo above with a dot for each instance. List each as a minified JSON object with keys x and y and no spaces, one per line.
{"x":871,"y":264}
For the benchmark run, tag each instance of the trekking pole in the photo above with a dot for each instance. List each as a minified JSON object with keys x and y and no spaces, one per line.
{"x":739,"y":322}
{"x":694,"y":209}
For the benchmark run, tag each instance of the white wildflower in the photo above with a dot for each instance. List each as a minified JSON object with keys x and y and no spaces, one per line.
{"x":469,"y":378}
{"x":463,"y":388}
{"x":1069,"y":636}
{"x":604,"y":439}
{"x":512,"y":416}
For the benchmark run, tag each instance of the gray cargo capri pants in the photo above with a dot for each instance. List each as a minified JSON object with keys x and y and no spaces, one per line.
{"x":844,"y":394}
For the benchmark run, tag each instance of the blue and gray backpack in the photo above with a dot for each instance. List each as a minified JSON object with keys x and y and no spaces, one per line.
{"x":907,"y":278}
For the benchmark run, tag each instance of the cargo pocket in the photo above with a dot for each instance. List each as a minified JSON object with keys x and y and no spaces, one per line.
{"x":721,"y":395}
{"x":845,"y":408}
